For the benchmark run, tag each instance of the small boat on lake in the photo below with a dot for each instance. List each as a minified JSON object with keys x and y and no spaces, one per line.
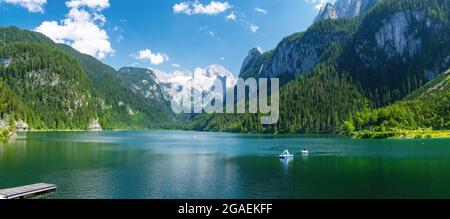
{"x":286,"y":154}
{"x":305,"y":152}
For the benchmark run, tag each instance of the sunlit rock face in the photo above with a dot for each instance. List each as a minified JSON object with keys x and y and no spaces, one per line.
{"x":397,"y":39}
{"x":394,"y":36}
{"x":327,"y":12}
{"x":292,"y":57}
{"x":345,"y":9}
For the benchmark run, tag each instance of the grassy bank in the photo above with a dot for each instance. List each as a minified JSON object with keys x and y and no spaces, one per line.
{"x":403,"y":134}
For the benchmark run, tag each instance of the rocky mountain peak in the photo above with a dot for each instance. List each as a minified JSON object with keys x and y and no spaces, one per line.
{"x":253,"y":53}
{"x":345,"y":9}
{"x":327,"y":12}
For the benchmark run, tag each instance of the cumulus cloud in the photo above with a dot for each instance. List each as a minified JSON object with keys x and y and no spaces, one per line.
{"x":35,"y":6}
{"x":260,"y":10}
{"x":93,"y":4}
{"x":182,"y":7}
{"x":194,"y":8}
{"x":82,"y":28}
{"x":154,"y":58}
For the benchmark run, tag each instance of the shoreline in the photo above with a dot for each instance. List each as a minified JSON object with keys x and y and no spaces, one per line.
{"x":402,"y":134}
{"x":80,"y":130}
{"x":399,"y":135}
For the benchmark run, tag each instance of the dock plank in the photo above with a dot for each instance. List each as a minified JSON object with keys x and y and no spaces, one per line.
{"x":26,"y":191}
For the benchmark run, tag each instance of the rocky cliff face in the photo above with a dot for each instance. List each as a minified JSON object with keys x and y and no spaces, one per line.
{"x":327,"y":12}
{"x":301,"y":52}
{"x":345,"y":9}
{"x":294,"y":55}
{"x":252,"y":55}
{"x":353,"y":8}
{"x":19,"y":125}
{"x":394,"y":36}
{"x":143,"y":82}
{"x":400,"y":36}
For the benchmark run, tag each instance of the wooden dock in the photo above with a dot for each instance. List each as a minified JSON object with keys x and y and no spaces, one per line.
{"x":26,"y":191}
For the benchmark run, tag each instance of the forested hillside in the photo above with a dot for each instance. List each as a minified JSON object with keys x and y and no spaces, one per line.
{"x":119,"y":107}
{"x":424,"y":111}
{"x":50,"y":82}
{"x":60,"y":88}
{"x":9,"y":103}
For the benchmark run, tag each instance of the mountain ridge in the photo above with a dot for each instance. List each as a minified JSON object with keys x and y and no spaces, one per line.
{"x":308,"y":98}
{"x":344,"y":9}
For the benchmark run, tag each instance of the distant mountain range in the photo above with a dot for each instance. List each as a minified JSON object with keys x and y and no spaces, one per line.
{"x":162,"y":88}
{"x":179,"y":83}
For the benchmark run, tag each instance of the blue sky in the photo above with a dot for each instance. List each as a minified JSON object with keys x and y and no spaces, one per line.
{"x":163,"y":34}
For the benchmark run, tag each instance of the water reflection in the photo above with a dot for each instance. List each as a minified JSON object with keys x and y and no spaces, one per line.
{"x":285,"y":161}
{"x":164,"y":164}
{"x":305,"y":157}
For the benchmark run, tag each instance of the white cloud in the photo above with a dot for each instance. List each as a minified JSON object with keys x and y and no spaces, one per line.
{"x":253,"y":28}
{"x":155,"y":58}
{"x":182,"y":7}
{"x":81,"y":29}
{"x":260,"y":10}
{"x":100,"y":17}
{"x":35,"y":6}
{"x":176,"y":65}
{"x":92,"y":4}
{"x":193,"y":8}
{"x":231,"y":16}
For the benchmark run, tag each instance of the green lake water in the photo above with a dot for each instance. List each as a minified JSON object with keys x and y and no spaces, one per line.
{"x":176,"y":164}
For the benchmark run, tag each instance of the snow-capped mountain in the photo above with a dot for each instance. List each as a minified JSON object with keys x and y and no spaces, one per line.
{"x":179,"y":84}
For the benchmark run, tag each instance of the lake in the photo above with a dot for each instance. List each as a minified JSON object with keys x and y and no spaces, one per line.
{"x":177,"y":164}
